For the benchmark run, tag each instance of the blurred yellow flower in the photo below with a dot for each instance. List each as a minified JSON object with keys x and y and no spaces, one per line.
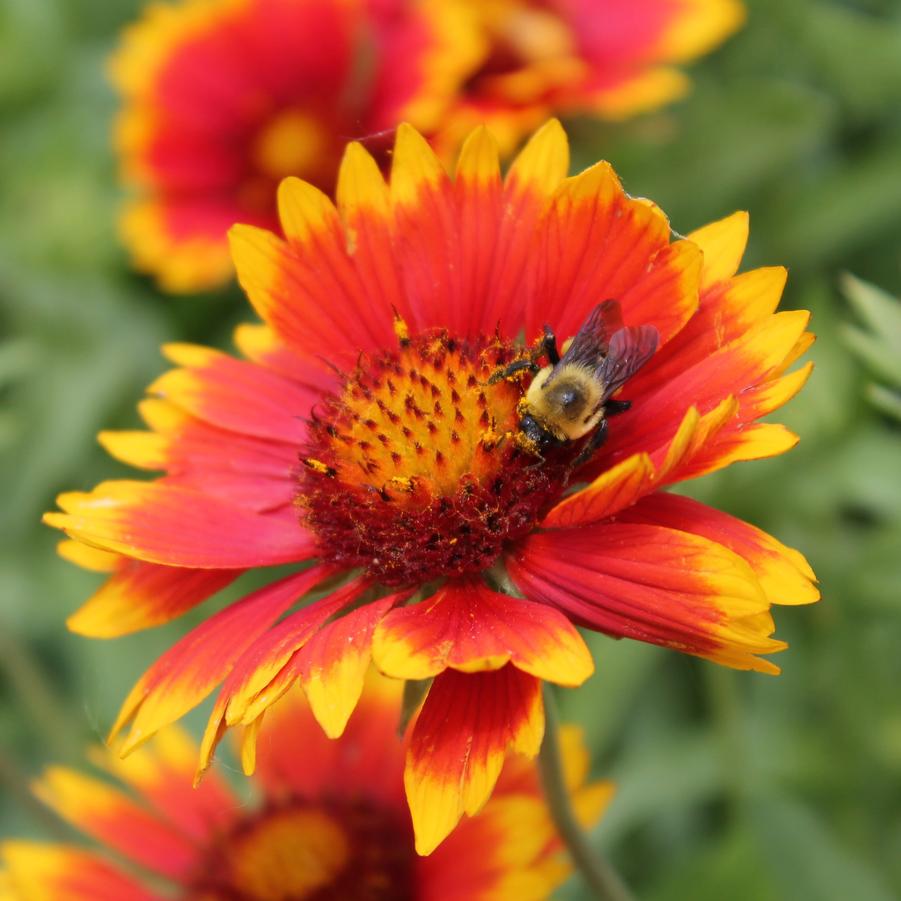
{"x":329,"y":821}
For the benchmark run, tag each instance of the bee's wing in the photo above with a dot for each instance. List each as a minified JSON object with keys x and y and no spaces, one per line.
{"x":590,"y":343}
{"x":630,"y":348}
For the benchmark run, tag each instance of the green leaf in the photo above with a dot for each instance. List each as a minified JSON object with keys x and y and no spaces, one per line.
{"x":887,"y":401}
{"x":728,"y":867}
{"x":878,"y":343}
{"x":856,"y":55}
{"x":806,"y":859}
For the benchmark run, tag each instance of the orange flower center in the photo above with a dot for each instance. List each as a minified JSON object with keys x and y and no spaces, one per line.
{"x":291,"y":143}
{"x":413,"y":471}
{"x":311,"y":853}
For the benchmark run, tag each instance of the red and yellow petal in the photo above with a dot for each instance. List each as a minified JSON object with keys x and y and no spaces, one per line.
{"x":289,"y":288}
{"x":88,"y":557}
{"x":364,"y":204}
{"x":234,"y":395}
{"x":512,"y":849}
{"x":253,"y":472}
{"x":723,"y":244}
{"x":731,"y":307}
{"x":531,"y":181}
{"x":161,"y":772}
{"x":698,"y":26}
{"x":750,"y":360}
{"x":140,"y":595}
{"x":613,"y":490}
{"x":108,"y":815}
{"x":727,"y":311}
{"x":653,"y":584}
{"x":735,"y":337}
{"x":457,"y":746}
{"x":625,"y":483}
{"x":754,"y":442}
{"x":747,"y":299}
{"x":640,"y":93}
{"x":425,"y":230}
{"x":38,"y":872}
{"x":175,"y":525}
{"x":181,"y":243}
{"x":192,"y":668}
{"x":467,"y":627}
{"x":359,"y":764}
{"x":260,"y":344}
{"x":429,"y":58}
{"x":599,"y":243}
{"x":506,"y":854}
{"x":784,"y":574}
{"x":478,"y":191}
{"x":332,"y":666}
{"x":252,"y":684}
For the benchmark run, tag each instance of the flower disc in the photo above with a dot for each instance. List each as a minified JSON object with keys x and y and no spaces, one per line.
{"x":413,"y":471}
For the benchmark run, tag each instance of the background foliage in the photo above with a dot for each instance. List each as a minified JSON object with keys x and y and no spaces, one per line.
{"x":731,"y":785}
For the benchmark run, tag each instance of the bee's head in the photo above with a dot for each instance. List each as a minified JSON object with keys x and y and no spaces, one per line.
{"x":536,"y":433}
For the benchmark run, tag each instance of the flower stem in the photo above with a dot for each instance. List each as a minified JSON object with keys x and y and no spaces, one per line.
{"x":599,"y":875}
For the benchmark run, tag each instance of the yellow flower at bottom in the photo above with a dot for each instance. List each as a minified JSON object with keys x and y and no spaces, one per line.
{"x":329,"y":821}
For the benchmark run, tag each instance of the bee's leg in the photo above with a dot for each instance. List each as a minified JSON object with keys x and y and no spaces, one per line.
{"x":512,"y":369}
{"x":538,"y":463}
{"x":598,"y":437}
{"x":549,"y":346}
{"x":613,"y":407}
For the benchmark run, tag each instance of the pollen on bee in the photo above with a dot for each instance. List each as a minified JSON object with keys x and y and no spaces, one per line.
{"x":490,"y":439}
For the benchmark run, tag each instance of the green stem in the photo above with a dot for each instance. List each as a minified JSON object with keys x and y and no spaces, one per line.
{"x":722,"y":688}
{"x":599,"y":875}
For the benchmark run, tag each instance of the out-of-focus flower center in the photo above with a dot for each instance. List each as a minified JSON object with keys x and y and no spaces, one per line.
{"x":532,"y":49}
{"x":291,"y":143}
{"x":413,"y":472}
{"x":534,"y":34}
{"x":311,"y":853}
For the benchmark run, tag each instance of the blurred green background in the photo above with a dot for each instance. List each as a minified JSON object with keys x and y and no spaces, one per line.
{"x":732,"y":785}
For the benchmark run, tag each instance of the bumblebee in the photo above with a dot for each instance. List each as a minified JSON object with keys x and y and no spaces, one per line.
{"x":569,"y":398}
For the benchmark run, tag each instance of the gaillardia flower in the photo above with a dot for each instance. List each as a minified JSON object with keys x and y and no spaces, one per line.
{"x":380,"y":430}
{"x":611,"y":59}
{"x":224,"y":98}
{"x":329,"y":821}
